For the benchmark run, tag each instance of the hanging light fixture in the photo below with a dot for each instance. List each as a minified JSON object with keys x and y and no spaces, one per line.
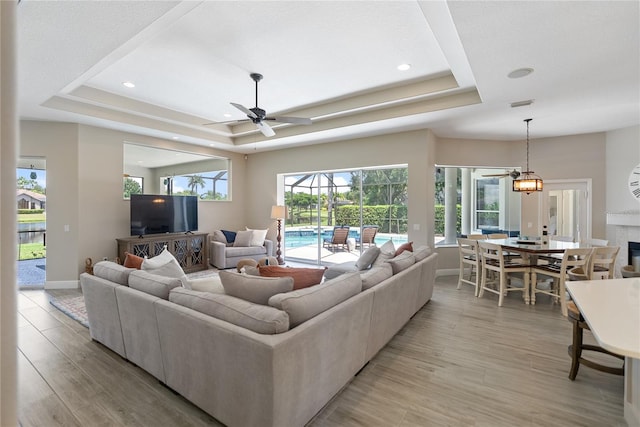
{"x":528,"y":181}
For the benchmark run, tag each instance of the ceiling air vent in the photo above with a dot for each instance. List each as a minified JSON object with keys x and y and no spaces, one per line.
{"x":521,"y":103}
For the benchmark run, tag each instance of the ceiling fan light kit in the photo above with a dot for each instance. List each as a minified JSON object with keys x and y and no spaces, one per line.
{"x":529,"y":181}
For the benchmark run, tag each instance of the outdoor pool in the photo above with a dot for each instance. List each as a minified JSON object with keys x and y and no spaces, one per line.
{"x":300,"y":238}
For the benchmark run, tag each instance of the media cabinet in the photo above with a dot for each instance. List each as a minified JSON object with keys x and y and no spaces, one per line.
{"x":189,"y":249}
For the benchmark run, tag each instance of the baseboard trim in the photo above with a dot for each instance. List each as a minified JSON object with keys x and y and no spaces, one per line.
{"x":448,"y":272}
{"x":62,"y":284}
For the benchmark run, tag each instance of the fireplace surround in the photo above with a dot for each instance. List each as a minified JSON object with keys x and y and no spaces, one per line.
{"x":627,"y":236}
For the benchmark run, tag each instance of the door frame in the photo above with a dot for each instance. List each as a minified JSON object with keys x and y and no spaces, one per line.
{"x":584,"y":184}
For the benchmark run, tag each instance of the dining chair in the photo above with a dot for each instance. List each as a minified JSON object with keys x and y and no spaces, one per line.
{"x":477,"y":236}
{"x":469,"y":259}
{"x":603,"y":260}
{"x":572,"y":258}
{"x":575,"y":316}
{"x":498,"y":235}
{"x":494,"y":260}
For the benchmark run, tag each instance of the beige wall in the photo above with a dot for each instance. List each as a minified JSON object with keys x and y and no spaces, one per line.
{"x":84,"y":188}
{"x":84,"y":191}
{"x":413,"y":148}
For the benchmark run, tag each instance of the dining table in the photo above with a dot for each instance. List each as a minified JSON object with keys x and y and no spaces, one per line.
{"x":531,"y":249}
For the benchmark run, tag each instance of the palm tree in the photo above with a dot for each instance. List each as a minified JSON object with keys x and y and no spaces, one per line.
{"x":194,"y":182}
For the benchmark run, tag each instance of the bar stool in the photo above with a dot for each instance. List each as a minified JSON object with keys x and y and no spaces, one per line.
{"x":576,"y":348}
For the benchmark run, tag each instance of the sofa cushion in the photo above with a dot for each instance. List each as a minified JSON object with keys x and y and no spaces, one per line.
{"x":387,"y":251}
{"x":218,"y":236}
{"x":303,"y":304}
{"x":204,"y":284}
{"x":337,"y":269}
{"x":404,"y":247}
{"x":113,"y":272}
{"x":302,"y":277}
{"x":376,"y":275}
{"x":243,"y":251}
{"x":230,"y":236}
{"x":243,"y":238}
{"x":422,"y":252}
{"x":257,"y":237}
{"x":153,"y":284}
{"x":257,"y":318}
{"x":255,"y":289}
{"x":367,"y":258}
{"x":163,"y":264}
{"x":132,"y":261}
{"x":402,"y":262}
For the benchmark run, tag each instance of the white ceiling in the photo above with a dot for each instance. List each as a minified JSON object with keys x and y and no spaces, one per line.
{"x":332,"y":61}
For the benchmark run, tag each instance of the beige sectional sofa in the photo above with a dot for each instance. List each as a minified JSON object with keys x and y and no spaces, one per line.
{"x":320,"y":337}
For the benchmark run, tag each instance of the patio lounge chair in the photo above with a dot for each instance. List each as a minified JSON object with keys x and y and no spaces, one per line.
{"x":368,"y":236}
{"x":338,"y":239}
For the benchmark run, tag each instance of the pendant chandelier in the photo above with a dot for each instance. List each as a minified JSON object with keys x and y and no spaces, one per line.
{"x":528,"y":181}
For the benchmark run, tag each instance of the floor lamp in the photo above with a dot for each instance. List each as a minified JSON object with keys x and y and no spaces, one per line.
{"x":279,"y":213}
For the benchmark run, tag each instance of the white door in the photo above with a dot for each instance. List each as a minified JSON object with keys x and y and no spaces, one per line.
{"x":566,"y":208}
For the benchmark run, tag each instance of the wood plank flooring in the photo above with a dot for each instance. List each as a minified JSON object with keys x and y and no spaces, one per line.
{"x":461,"y":361}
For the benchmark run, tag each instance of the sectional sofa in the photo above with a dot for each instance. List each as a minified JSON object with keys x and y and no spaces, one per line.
{"x":248,"y":364}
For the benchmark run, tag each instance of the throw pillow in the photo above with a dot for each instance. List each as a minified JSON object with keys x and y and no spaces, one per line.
{"x":402,"y":261}
{"x":367,"y":258}
{"x":302,"y":277}
{"x":404,"y":247}
{"x":163,"y":264}
{"x":243,"y":239}
{"x":257,"y":237}
{"x":387,"y":251}
{"x":218,"y":236}
{"x":422,"y":252}
{"x":133,"y":261}
{"x":376,"y":275}
{"x":229,"y":235}
{"x":255,"y":289}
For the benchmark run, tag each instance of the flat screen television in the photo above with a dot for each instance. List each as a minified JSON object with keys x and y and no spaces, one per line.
{"x":158,"y":214}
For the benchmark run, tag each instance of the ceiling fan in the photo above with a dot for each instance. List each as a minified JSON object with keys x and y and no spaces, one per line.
{"x":259,"y":116}
{"x":514,"y":174}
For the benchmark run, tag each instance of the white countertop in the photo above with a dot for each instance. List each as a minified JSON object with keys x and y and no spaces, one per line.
{"x":612,"y":310}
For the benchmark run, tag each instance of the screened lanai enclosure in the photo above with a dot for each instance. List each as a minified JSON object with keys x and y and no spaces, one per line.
{"x":368,"y":206}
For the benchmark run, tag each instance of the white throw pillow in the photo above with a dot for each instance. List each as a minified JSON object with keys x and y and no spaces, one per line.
{"x":258,"y":236}
{"x":387,"y":251}
{"x":163,"y":264}
{"x":243,"y":239}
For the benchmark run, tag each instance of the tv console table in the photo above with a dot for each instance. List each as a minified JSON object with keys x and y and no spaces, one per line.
{"x":189,"y":249}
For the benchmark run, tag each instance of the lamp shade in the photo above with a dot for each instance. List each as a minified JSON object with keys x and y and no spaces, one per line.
{"x":528,"y":184}
{"x":278,"y":212}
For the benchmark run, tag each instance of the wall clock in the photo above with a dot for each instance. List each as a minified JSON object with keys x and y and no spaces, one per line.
{"x":634,"y":182}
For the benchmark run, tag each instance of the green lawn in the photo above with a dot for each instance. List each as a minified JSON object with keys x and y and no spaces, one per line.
{"x":32,"y":251}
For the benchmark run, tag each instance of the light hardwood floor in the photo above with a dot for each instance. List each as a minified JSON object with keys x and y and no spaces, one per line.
{"x":460,"y":361}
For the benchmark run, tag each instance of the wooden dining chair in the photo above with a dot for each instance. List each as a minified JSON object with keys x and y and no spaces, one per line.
{"x":469,"y":259}
{"x":559,"y":273}
{"x":477,"y":236}
{"x":575,"y":316}
{"x":494,"y":260}
{"x":498,"y":235}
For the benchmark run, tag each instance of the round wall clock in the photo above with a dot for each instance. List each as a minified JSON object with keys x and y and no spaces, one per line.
{"x":634,"y":182}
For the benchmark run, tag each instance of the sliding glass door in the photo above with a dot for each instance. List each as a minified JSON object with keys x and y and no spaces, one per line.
{"x":335,"y":215}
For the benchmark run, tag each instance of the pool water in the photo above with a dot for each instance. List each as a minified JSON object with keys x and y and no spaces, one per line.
{"x":300,"y":238}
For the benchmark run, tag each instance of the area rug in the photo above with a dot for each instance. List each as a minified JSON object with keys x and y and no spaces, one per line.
{"x":72,"y":305}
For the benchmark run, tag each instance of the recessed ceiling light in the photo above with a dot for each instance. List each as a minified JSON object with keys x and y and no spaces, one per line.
{"x":175,"y":137}
{"x":520,"y":72}
{"x":404,"y":67}
{"x":227,"y":115}
{"x":128,"y":84}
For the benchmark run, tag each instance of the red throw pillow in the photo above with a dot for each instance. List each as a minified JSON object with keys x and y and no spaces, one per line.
{"x":404,"y":247}
{"x":133,"y":261}
{"x":302,"y":277}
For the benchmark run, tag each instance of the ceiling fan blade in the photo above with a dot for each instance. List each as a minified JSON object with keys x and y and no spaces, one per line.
{"x":265,"y":129}
{"x":245,"y":110}
{"x":294,"y":120}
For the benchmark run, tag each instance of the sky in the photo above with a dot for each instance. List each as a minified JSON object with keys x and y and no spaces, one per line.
{"x":41,"y":175}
